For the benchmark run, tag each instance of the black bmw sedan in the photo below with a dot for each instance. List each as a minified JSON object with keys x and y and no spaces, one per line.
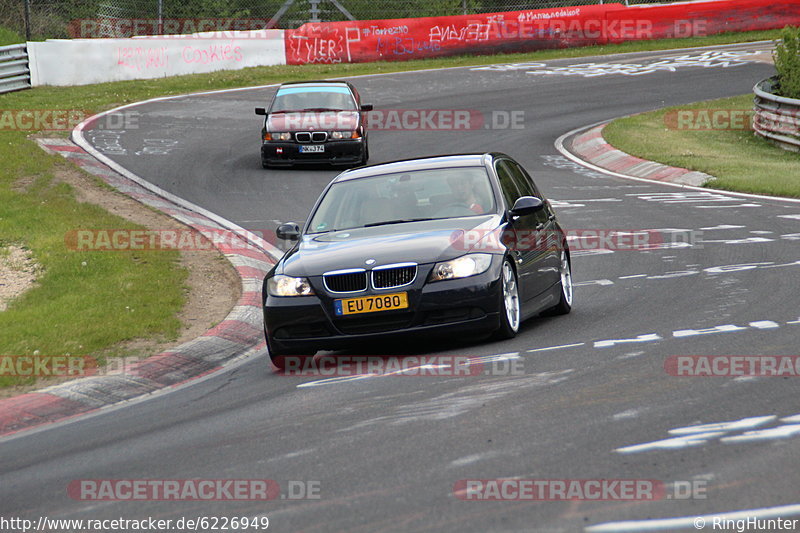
{"x":314,"y":122}
{"x":440,"y":245}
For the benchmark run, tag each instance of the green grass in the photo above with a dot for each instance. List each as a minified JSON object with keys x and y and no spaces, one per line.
{"x":10,"y":37}
{"x":88,"y":310}
{"x":737,"y":158}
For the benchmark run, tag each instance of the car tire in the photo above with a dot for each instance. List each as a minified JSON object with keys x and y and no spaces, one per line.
{"x":564,"y":304}
{"x":510,"y":312}
{"x":264,"y":164}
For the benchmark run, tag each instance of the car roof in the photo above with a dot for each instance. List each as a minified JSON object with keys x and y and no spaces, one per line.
{"x":316,"y":83}
{"x":410,"y":165}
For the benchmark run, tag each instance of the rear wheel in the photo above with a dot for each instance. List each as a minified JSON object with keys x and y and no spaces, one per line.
{"x":509,"y":318}
{"x":564,"y":304}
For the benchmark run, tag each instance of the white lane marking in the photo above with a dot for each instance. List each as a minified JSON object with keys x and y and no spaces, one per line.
{"x":470,"y":459}
{"x":673,"y":443}
{"x":780,"y":432}
{"x":601,"y":282}
{"x":633,"y":276}
{"x":683,"y":197}
{"x":649,"y":337}
{"x":736,"y":268}
{"x":791,"y":236}
{"x":680,"y":333}
{"x":661,"y":524}
{"x":599,"y":251}
{"x":791,"y":419}
{"x":796,"y":217}
{"x":556,"y":347}
{"x":722,"y":226}
{"x":666,"y":246}
{"x":735,"y":425}
{"x":675,"y":274}
{"x":725,"y":206}
{"x":629,"y":413}
{"x":746,"y":240}
{"x":764,"y":324}
{"x":761,"y":232}
{"x":562,"y":204}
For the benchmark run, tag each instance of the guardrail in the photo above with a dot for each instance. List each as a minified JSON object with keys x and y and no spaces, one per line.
{"x":15,"y":73}
{"x":776,"y":118}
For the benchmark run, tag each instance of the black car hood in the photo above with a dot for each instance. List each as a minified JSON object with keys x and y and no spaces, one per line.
{"x":418,"y":242}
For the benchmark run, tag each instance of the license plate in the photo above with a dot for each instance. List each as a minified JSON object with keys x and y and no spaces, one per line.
{"x":312,"y":149}
{"x":371,"y":304}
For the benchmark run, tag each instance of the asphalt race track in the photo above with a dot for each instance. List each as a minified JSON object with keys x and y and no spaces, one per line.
{"x":385,"y":453}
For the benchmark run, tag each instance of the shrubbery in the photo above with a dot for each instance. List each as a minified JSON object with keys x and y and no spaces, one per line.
{"x":787,"y":62}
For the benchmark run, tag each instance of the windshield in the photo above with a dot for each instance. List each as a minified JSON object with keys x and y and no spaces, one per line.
{"x":313,"y":98}
{"x":404,"y":197}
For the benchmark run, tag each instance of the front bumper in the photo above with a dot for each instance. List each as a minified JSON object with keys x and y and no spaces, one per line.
{"x":345,"y":152}
{"x":464,"y":306}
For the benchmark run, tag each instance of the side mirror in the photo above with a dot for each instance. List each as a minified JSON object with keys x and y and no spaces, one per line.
{"x":261,"y":111}
{"x":289,"y":231}
{"x":367,"y":107}
{"x":526,"y":205}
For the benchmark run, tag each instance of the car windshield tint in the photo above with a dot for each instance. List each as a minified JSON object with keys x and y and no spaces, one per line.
{"x":313,"y":98}
{"x":404,"y":197}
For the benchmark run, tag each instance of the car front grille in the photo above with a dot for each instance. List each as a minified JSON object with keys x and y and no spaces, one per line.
{"x":392,"y":276}
{"x":345,"y":281}
{"x":308,"y":136}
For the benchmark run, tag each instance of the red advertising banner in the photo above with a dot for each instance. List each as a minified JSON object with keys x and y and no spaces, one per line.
{"x":699,"y":19}
{"x":416,"y":38}
{"x":520,"y":31}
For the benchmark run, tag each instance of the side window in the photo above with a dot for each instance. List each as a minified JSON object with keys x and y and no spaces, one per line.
{"x":523,"y":181}
{"x":507,"y":183}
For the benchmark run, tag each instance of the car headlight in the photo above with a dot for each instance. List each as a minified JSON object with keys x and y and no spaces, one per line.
{"x":338,"y":135}
{"x":278,"y":136}
{"x":462,"y":267}
{"x":288,"y":286}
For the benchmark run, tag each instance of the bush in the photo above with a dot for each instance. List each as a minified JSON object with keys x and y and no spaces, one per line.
{"x":787,"y":62}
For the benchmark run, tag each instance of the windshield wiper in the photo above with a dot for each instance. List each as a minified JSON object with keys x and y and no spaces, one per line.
{"x":397,"y":221}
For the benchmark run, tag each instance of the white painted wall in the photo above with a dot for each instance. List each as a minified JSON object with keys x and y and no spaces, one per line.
{"x":86,"y":61}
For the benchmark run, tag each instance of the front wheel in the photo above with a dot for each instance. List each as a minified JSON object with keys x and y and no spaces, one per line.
{"x":509,"y":304}
{"x":564,"y":304}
